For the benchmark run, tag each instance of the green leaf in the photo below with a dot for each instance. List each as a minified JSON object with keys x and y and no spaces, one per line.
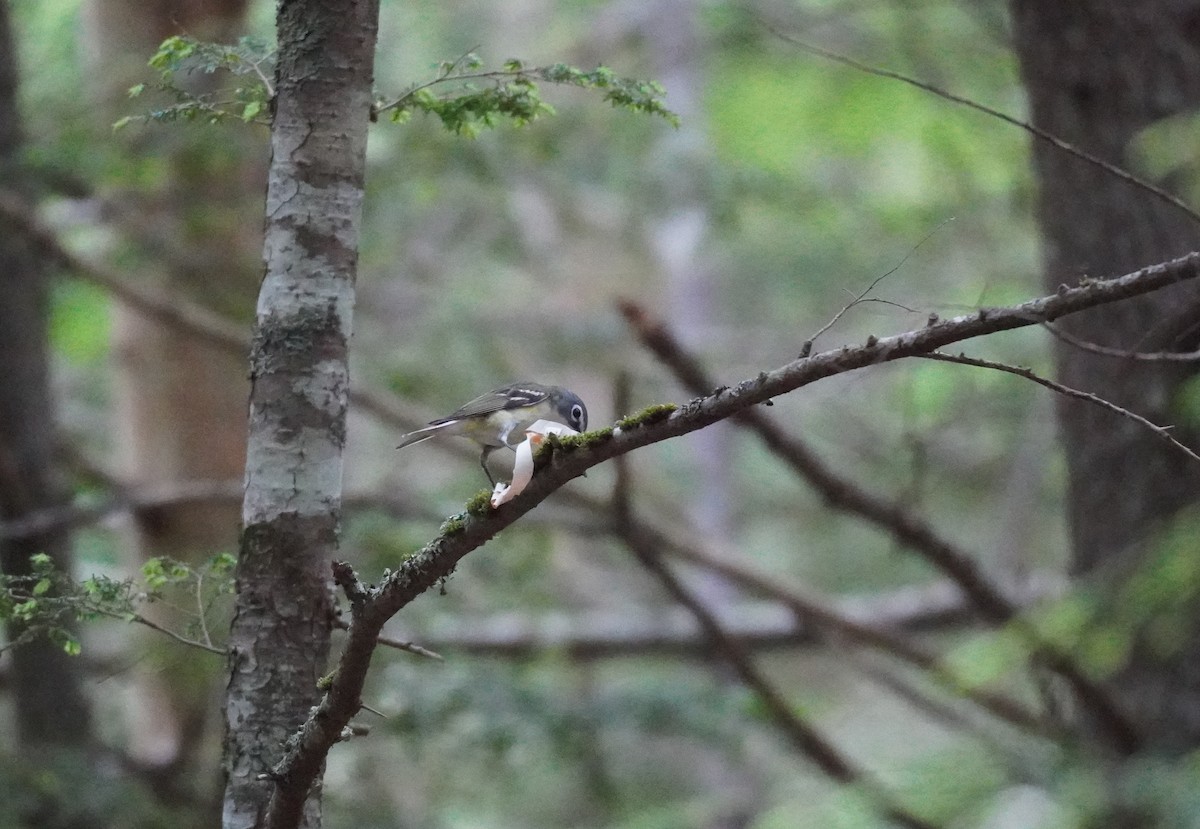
{"x":42,"y":587}
{"x":65,"y":640}
{"x":25,"y":611}
{"x":251,"y":110}
{"x":222,"y":563}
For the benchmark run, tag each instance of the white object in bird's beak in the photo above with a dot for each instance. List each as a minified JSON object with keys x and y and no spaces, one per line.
{"x":523,"y":468}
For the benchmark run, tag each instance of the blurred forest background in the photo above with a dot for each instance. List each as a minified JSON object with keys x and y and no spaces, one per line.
{"x":573,"y":690}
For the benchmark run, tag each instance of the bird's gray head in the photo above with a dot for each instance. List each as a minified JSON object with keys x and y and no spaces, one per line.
{"x":571,"y":409}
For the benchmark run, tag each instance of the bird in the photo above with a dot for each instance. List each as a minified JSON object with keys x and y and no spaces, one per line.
{"x":493,"y":418}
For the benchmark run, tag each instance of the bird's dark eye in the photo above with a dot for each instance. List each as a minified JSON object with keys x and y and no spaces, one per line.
{"x":577,"y":413}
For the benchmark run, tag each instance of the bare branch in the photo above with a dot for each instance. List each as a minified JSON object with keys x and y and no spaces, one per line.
{"x":839,"y":492}
{"x":395,"y":644}
{"x":1162,"y":432}
{"x":861,"y":297}
{"x":568,"y":459}
{"x":858,"y":624}
{"x":992,"y":604}
{"x":1035,"y":131}
{"x":1123,"y":353}
{"x":183,"y":640}
{"x":785,"y":617}
{"x":135,"y":499}
{"x":124,"y":500}
{"x":810,"y":742}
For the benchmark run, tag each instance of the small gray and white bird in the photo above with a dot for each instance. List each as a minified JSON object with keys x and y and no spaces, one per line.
{"x":492,"y":419}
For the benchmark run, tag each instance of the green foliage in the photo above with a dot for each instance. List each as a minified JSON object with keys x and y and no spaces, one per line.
{"x":989,"y":658}
{"x":512,"y":94}
{"x":1154,"y":606}
{"x":48,"y":603}
{"x":250,"y":60}
{"x":477,"y":100}
{"x":34,"y":608}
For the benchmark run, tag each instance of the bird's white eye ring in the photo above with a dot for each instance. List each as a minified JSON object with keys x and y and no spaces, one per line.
{"x":577,"y":413}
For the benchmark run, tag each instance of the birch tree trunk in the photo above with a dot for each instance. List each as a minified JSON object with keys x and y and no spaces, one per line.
{"x":279,"y":641}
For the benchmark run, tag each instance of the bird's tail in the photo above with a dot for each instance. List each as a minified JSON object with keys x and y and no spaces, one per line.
{"x":421,"y":434}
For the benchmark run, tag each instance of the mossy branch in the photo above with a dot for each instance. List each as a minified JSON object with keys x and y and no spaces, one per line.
{"x":298,"y":769}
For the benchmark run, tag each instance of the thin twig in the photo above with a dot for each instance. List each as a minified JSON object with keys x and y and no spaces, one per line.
{"x":1162,"y":432}
{"x":397,"y":644}
{"x":1123,"y":353}
{"x":256,"y":65}
{"x":991,"y":602}
{"x":1037,"y":132}
{"x":447,"y":76}
{"x":839,"y":624}
{"x":201,"y":610}
{"x":309,"y":746}
{"x":808,"y":344}
{"x":142,"y":620}
{"x":839,"y":492}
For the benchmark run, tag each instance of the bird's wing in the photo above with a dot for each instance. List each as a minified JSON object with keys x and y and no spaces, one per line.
{"x":509,"y":397}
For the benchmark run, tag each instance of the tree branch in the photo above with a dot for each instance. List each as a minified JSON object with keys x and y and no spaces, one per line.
{"x":136,"y":499}
{"x":178,"y":311}
{"x":839,"y":492}
{"x":1037,"y":132}
{"x":1124,"y":353}
{"x":856,"y":625}
{"x":568,"y":459}
{"x":803,"y":736}
{"x":992,"y":604}
{"x":1162,"y":432}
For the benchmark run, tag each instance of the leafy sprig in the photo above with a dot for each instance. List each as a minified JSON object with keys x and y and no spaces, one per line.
{"x":463,"y":95}
{"x":512,"y":93}
{"x":48,"y":602}
{"x":250,"y":58}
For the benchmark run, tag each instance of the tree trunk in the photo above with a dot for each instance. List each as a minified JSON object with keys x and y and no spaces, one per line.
{"x":48,"y":697}
{"x":279,"y":640}
{"x":179,"y":401}
{"x":1098,"y":72}
{"x":52,"y":714}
